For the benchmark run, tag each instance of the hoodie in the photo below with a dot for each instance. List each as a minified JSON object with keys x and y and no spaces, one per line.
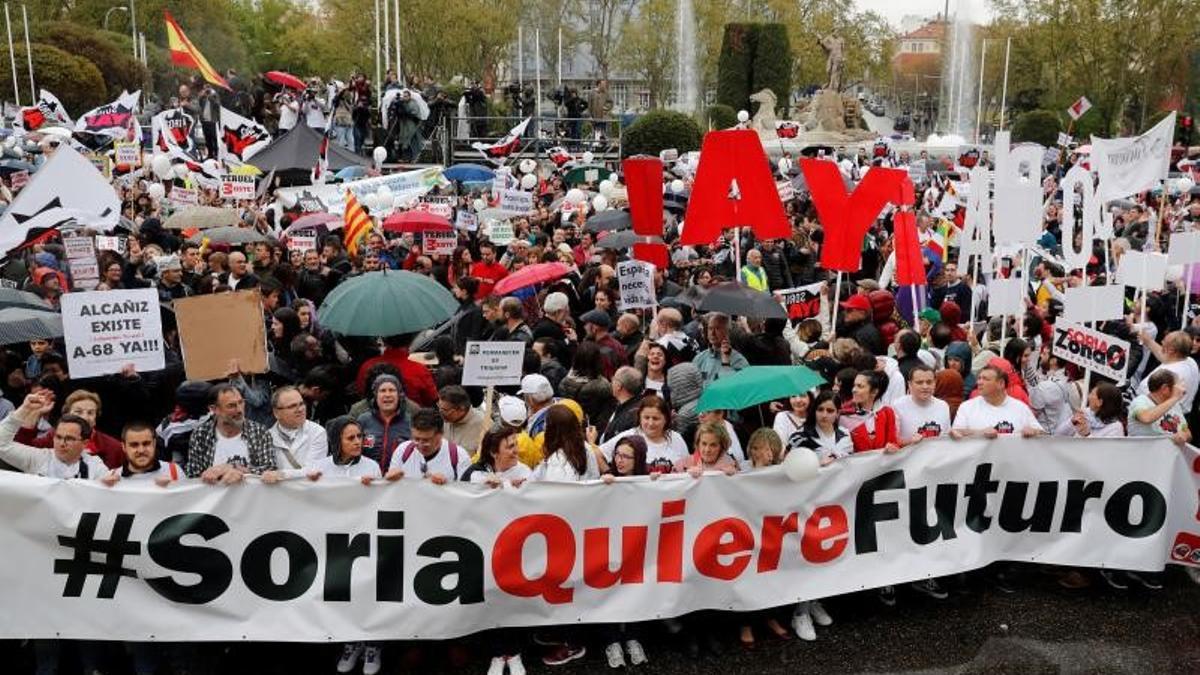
{"x":962,"y":351}
{"x":380,"y":438}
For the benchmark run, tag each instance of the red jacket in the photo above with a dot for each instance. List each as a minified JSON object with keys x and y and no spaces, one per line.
{"x":107,"y":448}
{"x":885,"y":432}
{"x":418,"y":381}
{"x":488,"y":275}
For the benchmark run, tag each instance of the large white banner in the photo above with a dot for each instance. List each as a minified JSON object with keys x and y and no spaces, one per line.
{"x":337,"y":561}
{"x":1127,"y":166}
{"x":404,"y":185}
{"x":46,"y":203}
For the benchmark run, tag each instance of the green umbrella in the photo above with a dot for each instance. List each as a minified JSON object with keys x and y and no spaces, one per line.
{"x":757,"y":384}
{"x":587,"y":173}
{"x":386,"y":303}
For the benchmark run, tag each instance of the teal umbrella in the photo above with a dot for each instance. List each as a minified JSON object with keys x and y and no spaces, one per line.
{"x":386,"y":303}
{"x":757,"y":384}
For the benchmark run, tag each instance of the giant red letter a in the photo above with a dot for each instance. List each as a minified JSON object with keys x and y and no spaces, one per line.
{"x":726,"y":156}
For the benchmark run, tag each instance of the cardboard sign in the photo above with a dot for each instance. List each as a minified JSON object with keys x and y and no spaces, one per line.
{"x":114,"y":244}
{"x":1184,"y":248}
{"x":102,"y":164}
{"x":1063,"y":139}
{"x":501,"y":232}
{"x":493,"y":364}
{"x":1094,"y":303}
{"x":465,"y":220}
{"x":184,"y":196}
{"x":439,"y":243}
{"x":1091,"y":349}
{"x":803,"y":302}
{"x":129,"y":154}
{"x":243,"y":336}
{"x":79,"y":248}
{"x":18,"y":179}
{"x":516,"y":202}
{"x":1147,"y":271}
{"x":1006,"y":297}
{"x":234,"y":187}
{"x":786,"y":191}
{"x":105,"y":330}
{"x":637,"y":284}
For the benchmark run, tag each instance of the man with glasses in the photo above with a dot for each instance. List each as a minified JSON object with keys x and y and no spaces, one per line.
{"x":227,"y":446}
{"x":464,"y":425}
{"x":428,"y":454}
{"x":66,"y":459}
{"x":297,"y":441}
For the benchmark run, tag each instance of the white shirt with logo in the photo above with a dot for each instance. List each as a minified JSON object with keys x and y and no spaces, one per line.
{"x":928,"y":420}
{"x":1010,"y":417}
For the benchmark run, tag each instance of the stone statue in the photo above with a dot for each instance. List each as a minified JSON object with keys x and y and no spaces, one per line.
{"x":764,"y":120}
{"x":833,"y":61}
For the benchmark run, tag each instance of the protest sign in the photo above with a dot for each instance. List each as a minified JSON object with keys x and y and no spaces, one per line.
{"x":302,"y":243}
{"x":501,"y":232}
{"x":85,"y":273}
{"x":310,"y":204}
{"x":845,"y":216}
{"x":235,"y":187}
{"x":439,"y":243}
{"x":18,"y":179}
{"x":184,"y":196}
{"x":516,"y":202}
{"x":79,"y":247}
{"x":787,"y":192}
{"x":802,"y":302}
{"x":208,"y":564}
{"x":1079,"y":107}
{"x":107,"y":243}
{"x":1006,"y":297}
{"x":1147,"y":271}
{"x":101,"y":163}
{"x":637,"y":284}
{"x":1094,"y":303}
{"x":129,"y":154}
{"x":1017,"y":217}
{"x":207,"y":353}
{"x":438,"y":206}
{"x":1127,"y":166}
{"x":1091,"y":349}
{"x":1184,"y":248}
{"x":732,"y":155}
{"x":104,"y":330}
{"x":465,"y":220}
{"x":493,"y":364}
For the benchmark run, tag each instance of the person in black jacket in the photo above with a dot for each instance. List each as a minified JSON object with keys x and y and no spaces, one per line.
{"x":775,"y":264}
{"x":856,"y":323}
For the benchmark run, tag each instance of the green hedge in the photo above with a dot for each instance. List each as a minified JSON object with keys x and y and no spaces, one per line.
{"x":721,"y":116}
{"x":773,"y":64}
{"x":109,"y":52}
{"x":660,"y":130}
{"x":1037,"y":126}
{"x":754,"y":56}
{"x":76,"y":82}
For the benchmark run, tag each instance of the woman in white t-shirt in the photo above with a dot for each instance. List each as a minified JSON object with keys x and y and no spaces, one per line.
{"x":345,"y":459}
{"x":656,"y":367}
{"x":498,"y":460}
{"x":664,"y":446}
{"x":1101,"y":418}
{"x":788,"y":422}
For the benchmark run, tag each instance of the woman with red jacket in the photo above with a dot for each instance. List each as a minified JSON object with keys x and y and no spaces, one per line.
{"x":872,"y":426}
{"x":84,"y":404}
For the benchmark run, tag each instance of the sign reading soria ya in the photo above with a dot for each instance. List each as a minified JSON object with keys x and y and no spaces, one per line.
{"x":416,"y":560}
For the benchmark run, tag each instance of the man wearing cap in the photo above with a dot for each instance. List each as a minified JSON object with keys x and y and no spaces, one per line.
{"x":597,"y":324}
{"x":512,"y":414}
{"x":555,"y":311}
{"x":170,"y":279}
{"x":539,"y":396}
{"x":856,"y":324}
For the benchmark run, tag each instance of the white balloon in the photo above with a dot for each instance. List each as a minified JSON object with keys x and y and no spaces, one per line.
{"x":1184,"y":184}
{"x":162,"y":167}
{"x":528,"y":166}
{"x":380,"y":155}
{"x":743,"y":116}
{"x":605,"y":186}
{"x":479,"y":205}
{"x":288,"y":199}
{"x":576,"y":196}
{"x":399,"y":202}
{"x":529,"y":181}
{"x":801,"y":464}
{"x":600,"y":202}
{"x":181,"y":170}
{"x":156,"y":191}
{"x":588,"y":157}
{"x":677,"y":186}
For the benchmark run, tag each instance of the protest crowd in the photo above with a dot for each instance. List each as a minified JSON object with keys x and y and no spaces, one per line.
{"x":611,"y":379}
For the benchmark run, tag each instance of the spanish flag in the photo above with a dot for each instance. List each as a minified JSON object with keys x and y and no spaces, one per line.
{"x":184,"y":53}
{"x":357,"y":223}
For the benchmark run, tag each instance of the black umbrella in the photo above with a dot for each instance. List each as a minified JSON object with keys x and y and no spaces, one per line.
{"x":692,"y":296}
{"x":609,"y":220}
{"x":22,"y":324}
{"x":733,"y":298}
{"x":674,"y":201}
{"x":624,"y":239}
{"x":11,"y":297}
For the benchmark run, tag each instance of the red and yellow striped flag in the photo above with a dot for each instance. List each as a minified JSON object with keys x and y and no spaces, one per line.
{"x":358,"y":223}
{"x":185,"y":54}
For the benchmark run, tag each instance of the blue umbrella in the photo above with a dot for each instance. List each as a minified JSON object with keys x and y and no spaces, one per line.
{"x":469,"y":173}
{"x":351,"y":172}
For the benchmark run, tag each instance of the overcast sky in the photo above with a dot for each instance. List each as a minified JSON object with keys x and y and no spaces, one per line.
{"x":894,"y":10}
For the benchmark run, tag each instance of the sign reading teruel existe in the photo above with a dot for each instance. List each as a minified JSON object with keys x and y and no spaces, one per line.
{"x":413,"y":560}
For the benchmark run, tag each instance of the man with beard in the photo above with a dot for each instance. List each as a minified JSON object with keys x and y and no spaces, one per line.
{"x":227,"y":446}
{"x":141,"y":459}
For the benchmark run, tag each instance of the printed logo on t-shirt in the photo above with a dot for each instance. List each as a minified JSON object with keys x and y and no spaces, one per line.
{"x":1170,"y":424}
{"x":930,"y":429}
{"x":1004,"y":427}
{"x":368,"y":440}
{"x":660,"y":465}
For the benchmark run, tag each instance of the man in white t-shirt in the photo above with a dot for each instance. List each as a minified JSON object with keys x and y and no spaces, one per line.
{"x":919,"y":415}
{"x":1175,"y":354}
{"x":289,"y":112}
{"x":67,"y":459}
{"x":428,"y":454}
{"x":994,"y":413}
{"x":1158,"y":412}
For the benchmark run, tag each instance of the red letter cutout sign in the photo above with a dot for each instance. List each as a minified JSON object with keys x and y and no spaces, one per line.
{"x":644,"y":182}
{"x":847,"y":217}
{"x":910,"y":262}
{"x":724,"y":157}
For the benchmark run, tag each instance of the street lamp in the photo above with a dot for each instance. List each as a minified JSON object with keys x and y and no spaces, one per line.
{"x":109,"y":13}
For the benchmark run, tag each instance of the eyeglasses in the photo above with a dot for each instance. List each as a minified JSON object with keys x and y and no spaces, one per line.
{"x":67,"y":439}
{"x":294,"y":406}
{"x":625,"y":455}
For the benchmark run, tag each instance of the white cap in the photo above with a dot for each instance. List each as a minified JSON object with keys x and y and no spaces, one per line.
{"x":536,"y":387}
{"x":512,"y":411}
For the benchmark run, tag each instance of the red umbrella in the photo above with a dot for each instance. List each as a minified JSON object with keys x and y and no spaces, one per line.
{"x":528,"y":276}
{"x":309,"y":221}
{"x":285,"y":80}
{"x":416,"y":221}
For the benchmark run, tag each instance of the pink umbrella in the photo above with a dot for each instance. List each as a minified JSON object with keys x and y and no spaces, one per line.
{"x":528,"y":276}
{"x":312,"y":220}
{"x":285,"y":80}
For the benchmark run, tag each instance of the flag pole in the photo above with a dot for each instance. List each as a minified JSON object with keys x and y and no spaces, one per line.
{"x":378,"y":65}
{"x":387,"y":38}
{"x":12,"y":57}
{"x":537,"y":62}
{"x":133,"y":28}
{"x":521,"y":56}
{"x":979,"y":94}
{"x":560,"y":58}
{"x":1004,"y":91}
{"x":396,"y":29}
{"x":29,"y":56}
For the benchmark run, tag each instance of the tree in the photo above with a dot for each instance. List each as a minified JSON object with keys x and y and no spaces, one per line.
{"x":660,"y":130}
{"x":772,"y":64}
{"x":1037,"y":126}
{"x":644,"y":51}
{"x":76,"y":82}
{"x":603,"y":20}
{"x":735,"y":68}
{"x":109,"y":52}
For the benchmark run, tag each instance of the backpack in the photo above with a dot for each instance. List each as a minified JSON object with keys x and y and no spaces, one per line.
{"x":409,"y":447}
